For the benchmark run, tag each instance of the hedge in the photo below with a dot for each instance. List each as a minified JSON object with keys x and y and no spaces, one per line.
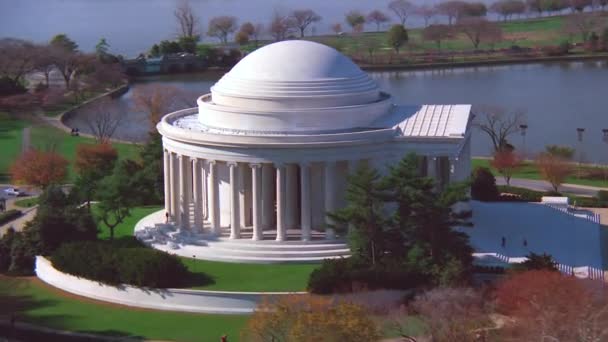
{"x":9,"y":215}
{"x":344,"y":276}
{"x":522,"y":194}
{"x":110,"y":264}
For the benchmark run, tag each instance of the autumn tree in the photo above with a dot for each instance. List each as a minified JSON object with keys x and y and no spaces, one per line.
{"x":402,"y":9}
{"x":452,"y":314}
{"x":437,"y":33}
{"x":17,"y":58}
{"x":507,"y":8}
{"x":480,"y":30}
{"x":221,"y":27}
{"x":281,"y":26}
{"x":187,"y":20}
{"x":303,"y":18}
{"x":241,"y":38}
{"x":356,"y":20}
{"x":253,"y":31}
{"x":583,"y":24}
{"x":451,"y":9}
{"x":549,"y":306}
{"x":102,"y":118}
{"x":426,"y":12}
{"x":506,"y":161}
{"x":336,"y":28}
{"x":301,"y":318}
{"x":39,"y":168}
{"x":553,"y":168}
{"x":537,"y":6}
{"x":397,"y":37}
{"x":158,"y":100}
{"x":499,"y":124}
{"x":377,"y":17}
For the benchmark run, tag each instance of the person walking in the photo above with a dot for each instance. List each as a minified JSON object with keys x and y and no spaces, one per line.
{"x":503,"y":242}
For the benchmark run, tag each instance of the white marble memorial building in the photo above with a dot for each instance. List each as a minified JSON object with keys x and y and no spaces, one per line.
{"x":266,"y":153}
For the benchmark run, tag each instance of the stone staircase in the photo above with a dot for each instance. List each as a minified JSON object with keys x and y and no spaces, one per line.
{"x":207,"y":246}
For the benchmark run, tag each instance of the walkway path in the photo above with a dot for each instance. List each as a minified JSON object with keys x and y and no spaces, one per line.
{"x":541,"y":185}
{"x":19,"y":224}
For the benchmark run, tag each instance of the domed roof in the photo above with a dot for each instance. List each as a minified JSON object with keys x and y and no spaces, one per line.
{"x":295,"y":60}
{"x":297,"y":71}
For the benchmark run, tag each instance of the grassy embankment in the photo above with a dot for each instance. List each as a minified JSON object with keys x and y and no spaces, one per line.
{"x":530,"y":33}
{"x":529,"y":171}
{"x":44,"y":137}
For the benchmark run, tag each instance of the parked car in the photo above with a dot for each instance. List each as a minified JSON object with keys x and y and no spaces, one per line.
{"x":13,"y":192}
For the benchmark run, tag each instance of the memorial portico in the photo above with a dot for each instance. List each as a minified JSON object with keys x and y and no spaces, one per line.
{"x":266,"y":154}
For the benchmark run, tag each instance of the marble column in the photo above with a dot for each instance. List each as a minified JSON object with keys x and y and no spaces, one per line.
{"x":244,"y":176}
{"x":268,"y":185}
{"x":167,"y":180}
{"x":235,"y":224}
{"x":198,"y":194}
{"x":291,"y":196}
{"x":256,"y":189}
{"x":214,"y":199}
{"x":205,"y":193}
{"x":280,"y":178}
{"x":305,"y":204}
{"x":330,"y":194}
{"x":431,"y":168}
{"x":174,"y":180}
{"x":185,"y":184}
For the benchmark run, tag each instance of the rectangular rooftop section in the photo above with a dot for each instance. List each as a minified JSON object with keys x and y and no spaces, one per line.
{"x":428,"y":121}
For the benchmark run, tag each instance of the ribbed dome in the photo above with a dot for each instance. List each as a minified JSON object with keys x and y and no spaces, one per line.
{"x":293,"y":87}
{"x":299,"y":70}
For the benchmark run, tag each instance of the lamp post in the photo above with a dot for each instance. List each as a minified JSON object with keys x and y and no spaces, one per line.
{"x":522,"y":130}
{"x":605,"y":140}
{"x":579,"y":135}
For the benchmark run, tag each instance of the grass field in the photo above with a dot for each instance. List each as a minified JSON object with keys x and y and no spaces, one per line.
{"x":46,"y":138}
{"x":228,"y":276}
{"x":529,"y":171}
{"x":27,"y":202}
{"x":40,"y":304}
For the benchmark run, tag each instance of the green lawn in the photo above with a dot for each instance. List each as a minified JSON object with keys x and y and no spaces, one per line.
{"x":27,"y":202}
{"x":228,"y":276}
{"x":10,"y":142}
{"x":47,"y":138}
{"x":529,"y":171}
{"x":252,"y":277}
{"x":40,"y":304}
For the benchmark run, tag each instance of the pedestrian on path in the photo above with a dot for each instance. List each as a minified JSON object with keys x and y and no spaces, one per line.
{"x":525,"y":242}
{"x":503,"y":242}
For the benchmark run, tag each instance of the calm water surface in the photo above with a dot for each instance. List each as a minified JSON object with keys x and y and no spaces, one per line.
{"x":557,"y":99}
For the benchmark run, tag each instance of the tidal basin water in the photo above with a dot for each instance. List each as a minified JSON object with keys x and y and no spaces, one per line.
{"x":557,"y":98}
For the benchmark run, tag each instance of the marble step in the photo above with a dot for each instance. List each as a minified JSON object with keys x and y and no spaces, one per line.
{"x":225,"y":250}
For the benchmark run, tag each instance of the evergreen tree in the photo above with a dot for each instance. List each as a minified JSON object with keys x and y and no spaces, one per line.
{"x":363,"y":216}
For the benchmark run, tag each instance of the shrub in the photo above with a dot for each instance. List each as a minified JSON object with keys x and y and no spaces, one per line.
{"x":16,"y":254}
{"x":9,"y":215}
{"x":345,"y":275}
{"x":483,"y":185}
{"x":602,"y":195}
{"x":520,"y":194}
{"x":537,"y":262}
{"x":110,"y":264}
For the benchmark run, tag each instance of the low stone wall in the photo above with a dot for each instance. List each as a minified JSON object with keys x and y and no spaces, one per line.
{"x":213,"y":302}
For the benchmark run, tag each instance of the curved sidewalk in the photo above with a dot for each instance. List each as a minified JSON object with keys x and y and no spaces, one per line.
{"x":541,"y":185}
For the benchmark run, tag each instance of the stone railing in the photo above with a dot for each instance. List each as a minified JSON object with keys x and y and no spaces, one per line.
{"x":583,"y":272}
{"x":213,"y":302}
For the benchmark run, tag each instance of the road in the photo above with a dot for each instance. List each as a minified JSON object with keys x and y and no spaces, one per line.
{"x":541,"y":185}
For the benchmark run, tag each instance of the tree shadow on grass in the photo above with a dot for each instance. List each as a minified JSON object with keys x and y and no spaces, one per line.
{"x":19,"y":321}
{"x":198,"y":279}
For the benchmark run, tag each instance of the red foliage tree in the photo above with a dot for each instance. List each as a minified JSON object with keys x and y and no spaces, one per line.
{"x":98,"y":158}
{"x":506,"y":161}
{"x":547,"y":305}
{"x":39,"y":168}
